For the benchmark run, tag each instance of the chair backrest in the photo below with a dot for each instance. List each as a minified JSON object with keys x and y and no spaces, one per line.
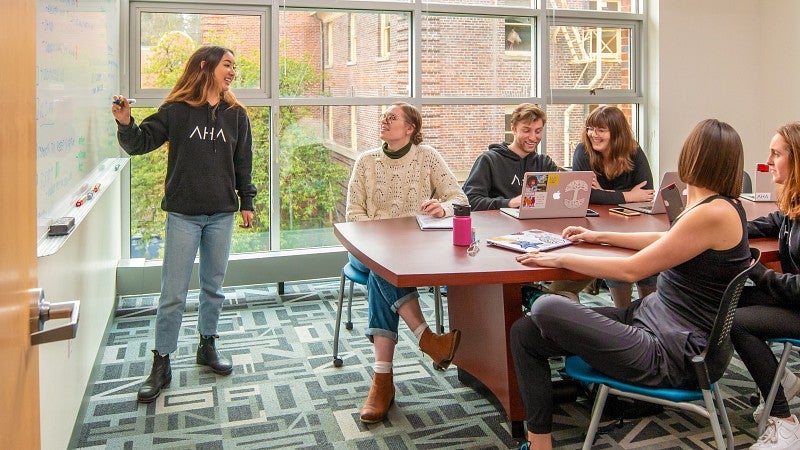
{"x":710,"y":365}
{"x":747,"y":184}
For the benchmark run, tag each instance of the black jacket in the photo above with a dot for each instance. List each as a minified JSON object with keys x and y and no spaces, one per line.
{"x":783,"y":287}
{"x":209,"y":157}
{"x":614,"y":188}
{"x":497,"y":176}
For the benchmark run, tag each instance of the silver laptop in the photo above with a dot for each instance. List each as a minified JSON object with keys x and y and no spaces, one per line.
{"x":657,"y":205}
{"x":548,"y":195}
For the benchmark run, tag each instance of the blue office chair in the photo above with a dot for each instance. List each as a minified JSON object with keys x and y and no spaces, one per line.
{"x":788,"y":344}
{"x":709,"y":367}
{"x":356,"y":276}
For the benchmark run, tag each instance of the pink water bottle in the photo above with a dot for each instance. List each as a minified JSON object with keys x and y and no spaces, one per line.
{"x":462,"y":226}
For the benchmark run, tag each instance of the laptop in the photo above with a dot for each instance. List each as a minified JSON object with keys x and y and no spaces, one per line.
{"x":673,"y":201}
{"x":549,"y":195}
{"x":657,"y":205}
{"x":763,"y":186}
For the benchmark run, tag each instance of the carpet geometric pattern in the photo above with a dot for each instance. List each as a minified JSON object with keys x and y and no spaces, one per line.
{"x":285,"y":392}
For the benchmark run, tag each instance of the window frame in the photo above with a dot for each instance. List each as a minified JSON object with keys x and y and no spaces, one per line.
{"x":267,"y":95}
{"x":352,"y":42}
{"x":154,"y":97}
{"x":384,"y":36}
{"x":636,"y":62}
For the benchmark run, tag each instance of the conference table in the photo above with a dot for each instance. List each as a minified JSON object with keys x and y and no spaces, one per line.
{"x":484,"y":291}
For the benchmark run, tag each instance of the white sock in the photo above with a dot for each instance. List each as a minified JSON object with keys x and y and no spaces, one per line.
{"x":382,"y":367}
{"x":420,"y":329}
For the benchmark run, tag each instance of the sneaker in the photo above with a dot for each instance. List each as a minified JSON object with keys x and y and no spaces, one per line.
{"x":791,"y":387}
{"x":780,"y":434}
{"x":530,"y":292}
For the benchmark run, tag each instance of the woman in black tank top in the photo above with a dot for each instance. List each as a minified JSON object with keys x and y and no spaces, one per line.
{"x":650,"y":341}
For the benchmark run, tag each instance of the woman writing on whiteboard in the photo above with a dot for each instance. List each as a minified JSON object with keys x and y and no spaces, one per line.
{"x":208,"y":180}
{"x":652,"y":341}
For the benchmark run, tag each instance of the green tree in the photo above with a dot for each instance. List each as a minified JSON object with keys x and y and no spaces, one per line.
{"x":165,"y":64}
{"x":309,"y":178}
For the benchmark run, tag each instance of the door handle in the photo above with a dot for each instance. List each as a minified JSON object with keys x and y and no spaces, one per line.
{"x":49,"y":311}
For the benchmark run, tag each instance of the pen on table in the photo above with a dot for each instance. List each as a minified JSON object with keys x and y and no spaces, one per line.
{"x":131,"y":101}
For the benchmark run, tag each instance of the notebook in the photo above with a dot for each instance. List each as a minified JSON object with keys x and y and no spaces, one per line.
{"x":529,"y":240}
{"x":657,"y":205}
{"x":763,"y":186}
{"x":547,"y":195}
{"x":427,"y":222}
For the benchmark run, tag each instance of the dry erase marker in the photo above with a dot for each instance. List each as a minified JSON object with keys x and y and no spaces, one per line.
{"x":131,"y":101}
{"x":81,"y":200}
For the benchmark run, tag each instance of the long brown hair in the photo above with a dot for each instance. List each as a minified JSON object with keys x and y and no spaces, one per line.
{"x":712,"y":157}
{"x":789,"y":193}
{"x":622,"y":145}
{"x":197,"y":78}
{"x":413,"y":118}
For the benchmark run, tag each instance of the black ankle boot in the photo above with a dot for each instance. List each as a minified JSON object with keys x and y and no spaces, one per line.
{"x":207,"y":355}
{"x":160,"y":377}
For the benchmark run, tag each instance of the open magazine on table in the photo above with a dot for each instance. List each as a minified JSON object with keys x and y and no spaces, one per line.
{"x":529,"y":240}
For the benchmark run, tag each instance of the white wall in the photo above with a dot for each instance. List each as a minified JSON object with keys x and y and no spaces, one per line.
{"x":732,"y":60}
{"x":84,"y":269}
{"x":779,"y":63}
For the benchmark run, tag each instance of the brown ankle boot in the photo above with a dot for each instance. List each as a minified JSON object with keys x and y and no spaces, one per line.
{"x":440,"y":347}
{"x":380,"y":398}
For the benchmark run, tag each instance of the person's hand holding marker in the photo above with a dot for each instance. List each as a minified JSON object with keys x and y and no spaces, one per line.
{"x":121,"y":109}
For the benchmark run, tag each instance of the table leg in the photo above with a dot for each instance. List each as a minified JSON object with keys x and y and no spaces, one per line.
{"x":484,"y":314}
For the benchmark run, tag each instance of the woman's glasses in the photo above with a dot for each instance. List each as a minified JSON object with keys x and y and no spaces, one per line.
{"x":389,"y":118}
{"x":595,"y":130}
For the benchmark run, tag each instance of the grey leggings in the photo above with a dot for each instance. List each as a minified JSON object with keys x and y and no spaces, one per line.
{"x":558,"y":326}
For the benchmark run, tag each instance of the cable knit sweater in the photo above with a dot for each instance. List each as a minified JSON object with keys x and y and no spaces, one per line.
{"x":384,"y":188}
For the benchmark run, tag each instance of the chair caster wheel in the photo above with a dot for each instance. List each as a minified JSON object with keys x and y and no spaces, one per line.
{"x":348,"y":325}
{"x":755,"y":399}
{"x":337,"y":362}
{"x":438,"y":367}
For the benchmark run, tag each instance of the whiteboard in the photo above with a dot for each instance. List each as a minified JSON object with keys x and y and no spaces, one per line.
{"x":77,"y":73}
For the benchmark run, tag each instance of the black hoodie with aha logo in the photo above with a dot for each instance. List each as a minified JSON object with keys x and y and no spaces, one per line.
{"x":209,"y":156}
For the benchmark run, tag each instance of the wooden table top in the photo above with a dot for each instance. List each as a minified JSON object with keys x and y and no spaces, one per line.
{"x":404,"y":255}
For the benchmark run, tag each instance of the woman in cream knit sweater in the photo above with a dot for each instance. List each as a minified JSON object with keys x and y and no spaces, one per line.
{"x":402,"y":178}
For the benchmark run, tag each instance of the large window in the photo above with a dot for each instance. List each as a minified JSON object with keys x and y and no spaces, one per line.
{"x":315,"y":88}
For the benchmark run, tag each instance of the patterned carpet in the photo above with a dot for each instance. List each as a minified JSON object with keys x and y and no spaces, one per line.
{"x":286,"y":393}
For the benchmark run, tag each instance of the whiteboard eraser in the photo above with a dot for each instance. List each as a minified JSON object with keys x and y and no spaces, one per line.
{"x":61,"y":226}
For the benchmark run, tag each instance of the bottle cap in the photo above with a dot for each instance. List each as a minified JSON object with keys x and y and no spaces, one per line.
{"x":762,"y":168}
{"x":461,"y":210}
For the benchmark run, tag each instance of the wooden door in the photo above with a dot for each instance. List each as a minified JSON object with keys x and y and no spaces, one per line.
{"x":19,"y":383}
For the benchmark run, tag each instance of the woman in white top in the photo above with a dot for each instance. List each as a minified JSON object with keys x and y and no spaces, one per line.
{"x":402,"y":178}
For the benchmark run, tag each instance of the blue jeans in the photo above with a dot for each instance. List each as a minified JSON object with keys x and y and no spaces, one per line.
{"x":184,"y":235}
{"x":383,"y":300}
